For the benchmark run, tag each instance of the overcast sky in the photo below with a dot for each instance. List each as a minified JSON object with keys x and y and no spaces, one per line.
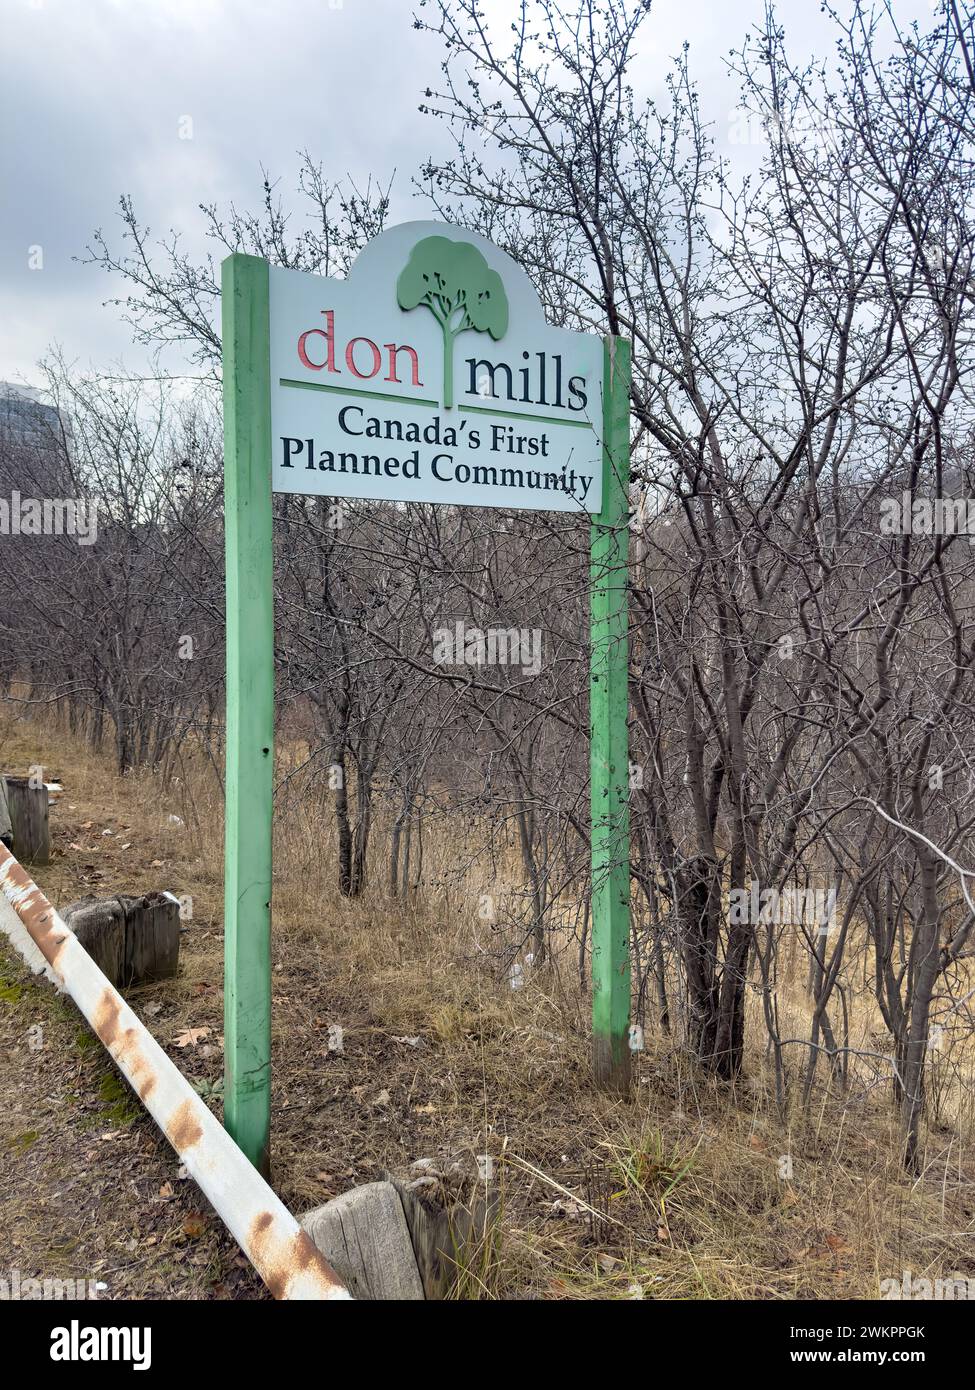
{"x":93,"y":94}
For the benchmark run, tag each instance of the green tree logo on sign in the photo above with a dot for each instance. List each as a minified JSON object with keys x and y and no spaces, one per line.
{"x":459,"y":288}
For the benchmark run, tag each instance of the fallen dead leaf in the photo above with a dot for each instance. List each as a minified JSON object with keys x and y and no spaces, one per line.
{"x":190,"y":1037}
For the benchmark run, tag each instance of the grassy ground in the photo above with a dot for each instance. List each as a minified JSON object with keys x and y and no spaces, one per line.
{"x":693,"y":1190}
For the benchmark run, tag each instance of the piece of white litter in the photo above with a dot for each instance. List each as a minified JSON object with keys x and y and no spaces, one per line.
{"x":516,"y":976}
{"x":636,"y":1037}
{"x":175,"y":821}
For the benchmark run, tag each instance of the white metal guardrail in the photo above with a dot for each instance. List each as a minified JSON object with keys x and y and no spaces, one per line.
{"x":285,"y":1257}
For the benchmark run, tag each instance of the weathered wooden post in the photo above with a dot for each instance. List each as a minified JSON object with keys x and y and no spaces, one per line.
{"x":250,"y":705}
{"x":131,"y":940}
{"x":609,"y":745}
{"x":28,"y":810}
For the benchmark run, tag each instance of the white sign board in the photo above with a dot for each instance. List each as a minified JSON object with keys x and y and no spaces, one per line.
{"x":431,"y":375}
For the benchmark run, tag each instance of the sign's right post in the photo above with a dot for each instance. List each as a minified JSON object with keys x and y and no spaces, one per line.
{"x":609,"y":738}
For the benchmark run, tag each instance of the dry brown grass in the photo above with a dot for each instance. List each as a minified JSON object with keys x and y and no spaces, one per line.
{"x":680,"y":1194}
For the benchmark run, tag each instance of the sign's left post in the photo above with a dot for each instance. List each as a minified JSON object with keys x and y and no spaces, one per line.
{"x":250,"y":704}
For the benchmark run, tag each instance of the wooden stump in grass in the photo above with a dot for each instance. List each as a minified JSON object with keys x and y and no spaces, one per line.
{"x":28,"y":810}
{"x":131,"y":940}
{"x":389,"y":1244}
{"x":364,"y":1236}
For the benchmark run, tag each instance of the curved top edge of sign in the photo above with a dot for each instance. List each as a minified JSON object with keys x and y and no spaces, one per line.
{"x":406,"y":234}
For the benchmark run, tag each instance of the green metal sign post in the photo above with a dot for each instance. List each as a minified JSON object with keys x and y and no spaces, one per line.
{"x":250,"y":705}
{"x":609,"y":735}
{"x":314,"y":369}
